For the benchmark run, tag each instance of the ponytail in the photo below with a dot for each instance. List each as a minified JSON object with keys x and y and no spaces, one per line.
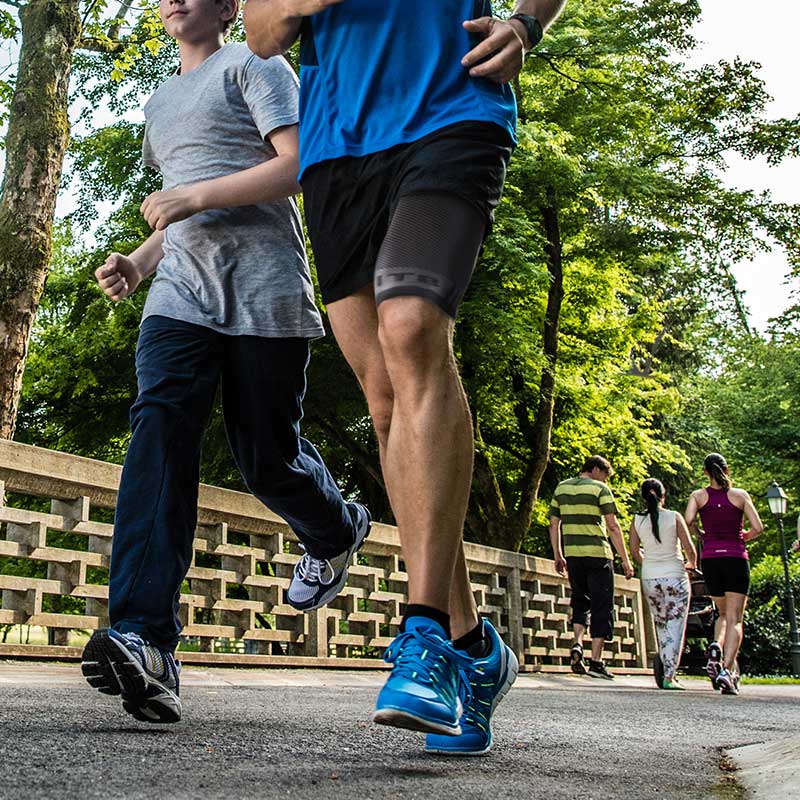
{"x":653,"y":494}
{"x":717,"y":468}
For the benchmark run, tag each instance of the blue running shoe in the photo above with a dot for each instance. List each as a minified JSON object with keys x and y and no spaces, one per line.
{"x":422,"y":693}
{"x":144,"y":675}
{"x":490,"y":678}
{"x":316,"y":581}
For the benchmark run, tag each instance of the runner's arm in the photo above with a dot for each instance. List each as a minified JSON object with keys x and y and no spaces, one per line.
{"x":756,"y":526}
{"x":690,"y":516}
{"x":272,"y":26}
{"x":686,"y":542}
{"x":272,"y":180}
{"x":499,"y":56}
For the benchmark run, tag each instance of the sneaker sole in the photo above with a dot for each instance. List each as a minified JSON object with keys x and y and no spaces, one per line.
{"x":600,"y":675}
{"x":339,"y":585}
{"x":143,"y":697}
{"x":714,"y":665}
{"x":576,"y":663}
{"x":400,"y":718}
{"x":512,"y":670}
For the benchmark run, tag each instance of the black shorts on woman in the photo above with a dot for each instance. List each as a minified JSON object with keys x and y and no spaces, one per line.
{"x":350,"y":203}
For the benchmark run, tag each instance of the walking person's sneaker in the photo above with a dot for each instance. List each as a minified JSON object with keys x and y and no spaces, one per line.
{"x":423,"y":691}
{"x":145,"y":676}
{"x":576,"y":659}
{"x":597,"y":669}
{"x":674,"y":684}
{"x":316,"y":581}
{"x":714,"y":663}
{"x":727,"y":682}
{"x":489,"y":679}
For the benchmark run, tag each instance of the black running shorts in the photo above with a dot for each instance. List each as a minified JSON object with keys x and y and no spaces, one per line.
{"x":349,"y":202}
{"x":726,"y":574}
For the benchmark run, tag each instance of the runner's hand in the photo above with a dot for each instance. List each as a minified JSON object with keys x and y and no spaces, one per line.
{"x":561,"y":566}
{"x":163,"y":208}
{"x":501,"y":46}
{"x":118,"y":277}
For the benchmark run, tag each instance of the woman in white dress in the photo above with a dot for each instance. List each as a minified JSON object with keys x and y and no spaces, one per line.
{"x":656,"y":540}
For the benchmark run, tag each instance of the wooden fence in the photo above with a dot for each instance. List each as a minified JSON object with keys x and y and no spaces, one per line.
{"x":56,"y":527}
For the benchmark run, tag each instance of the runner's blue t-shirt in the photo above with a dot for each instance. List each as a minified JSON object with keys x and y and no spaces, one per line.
{"x":378,"y":73}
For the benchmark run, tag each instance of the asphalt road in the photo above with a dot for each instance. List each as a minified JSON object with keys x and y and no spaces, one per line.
{"x":309,"y":735}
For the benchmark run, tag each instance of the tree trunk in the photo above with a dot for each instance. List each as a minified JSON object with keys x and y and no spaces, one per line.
{"x":38,"y":132}
{"x":541,"y":431}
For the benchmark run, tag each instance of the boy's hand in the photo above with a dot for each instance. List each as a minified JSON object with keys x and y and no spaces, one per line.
{"x":501,"y":45}
{"x":118,"y":277}
{"x":163,"y":208}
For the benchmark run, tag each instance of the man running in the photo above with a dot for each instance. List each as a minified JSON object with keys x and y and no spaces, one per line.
{"x":407,"y":122}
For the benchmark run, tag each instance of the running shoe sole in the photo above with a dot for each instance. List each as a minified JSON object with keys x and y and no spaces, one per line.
{"x":511,"y":677}
{"x":402,"y":718}
{"x":714,"y":664}
{"x":576,"y":661}
{"x":336,"y":587}
{"x":110,"y":668}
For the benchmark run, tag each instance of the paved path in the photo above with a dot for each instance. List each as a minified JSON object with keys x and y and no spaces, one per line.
{"x":308,"y":734}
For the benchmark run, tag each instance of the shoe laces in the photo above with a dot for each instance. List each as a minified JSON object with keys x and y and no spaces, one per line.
{"x":478,"y":703}
{"x":312,"y":569}
{"x":425,"y":657}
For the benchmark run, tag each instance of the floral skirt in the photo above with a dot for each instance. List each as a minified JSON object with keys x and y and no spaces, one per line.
{"x":668,"y":599}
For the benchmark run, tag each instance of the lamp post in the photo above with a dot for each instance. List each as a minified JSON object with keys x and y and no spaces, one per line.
{"x":777,"y":505}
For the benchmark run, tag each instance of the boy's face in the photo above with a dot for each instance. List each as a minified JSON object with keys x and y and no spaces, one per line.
{"x":195,"y":20}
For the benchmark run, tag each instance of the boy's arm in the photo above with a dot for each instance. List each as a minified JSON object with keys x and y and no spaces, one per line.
{"x":273,"y":25}
{"x":120,"y":275}
{"x":273,"y":180}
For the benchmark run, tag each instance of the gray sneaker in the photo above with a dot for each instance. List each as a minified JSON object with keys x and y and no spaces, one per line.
{"x":317,"y":581}
{"x":145,"y":676}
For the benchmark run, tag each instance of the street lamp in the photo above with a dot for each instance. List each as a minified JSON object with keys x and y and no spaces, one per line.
{"x":777,"y":505}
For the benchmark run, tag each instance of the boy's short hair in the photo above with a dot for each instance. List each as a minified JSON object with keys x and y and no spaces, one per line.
{"x":597,"y":462}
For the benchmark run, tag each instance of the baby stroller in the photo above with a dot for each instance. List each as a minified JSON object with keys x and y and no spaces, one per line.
{"x":699,"y":630}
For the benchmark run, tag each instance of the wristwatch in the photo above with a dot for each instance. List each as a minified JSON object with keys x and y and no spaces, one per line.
{"x":533,"y":28}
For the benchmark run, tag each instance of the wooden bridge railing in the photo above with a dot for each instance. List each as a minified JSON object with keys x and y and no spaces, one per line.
{"x":56,"y":527}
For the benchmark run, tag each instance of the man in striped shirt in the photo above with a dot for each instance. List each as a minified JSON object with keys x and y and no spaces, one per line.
{"x":584,"y":515}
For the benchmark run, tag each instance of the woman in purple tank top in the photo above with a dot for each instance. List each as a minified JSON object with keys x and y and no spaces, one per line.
{"x":725,"y":564}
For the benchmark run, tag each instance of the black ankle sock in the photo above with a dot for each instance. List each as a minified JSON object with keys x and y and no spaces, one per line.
{"x":476,"y":642}
{"x":418,"y":610}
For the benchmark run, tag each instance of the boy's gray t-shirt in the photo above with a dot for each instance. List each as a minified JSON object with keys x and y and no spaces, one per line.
{"x":240,"y":271}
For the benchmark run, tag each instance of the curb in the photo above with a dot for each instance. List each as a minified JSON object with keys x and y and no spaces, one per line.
{"x":769,"y":770}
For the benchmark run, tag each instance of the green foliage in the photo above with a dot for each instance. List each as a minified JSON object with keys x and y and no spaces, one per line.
{"x":766,"y":624}
{"x":625,"y":144}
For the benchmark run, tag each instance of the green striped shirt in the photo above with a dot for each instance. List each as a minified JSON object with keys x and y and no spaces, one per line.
{"x":580,"y":504}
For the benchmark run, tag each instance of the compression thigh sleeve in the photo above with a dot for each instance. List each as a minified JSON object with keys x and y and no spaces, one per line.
{"x":430,"y":250}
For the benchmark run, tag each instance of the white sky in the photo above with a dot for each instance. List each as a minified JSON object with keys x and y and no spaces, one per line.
{"x":763,"y":31}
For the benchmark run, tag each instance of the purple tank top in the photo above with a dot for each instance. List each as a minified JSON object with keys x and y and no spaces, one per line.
{"x":723,"y":533}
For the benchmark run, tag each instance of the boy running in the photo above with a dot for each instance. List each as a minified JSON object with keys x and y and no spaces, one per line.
{"x":232,"y":305}
{"x":406,"y":127}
